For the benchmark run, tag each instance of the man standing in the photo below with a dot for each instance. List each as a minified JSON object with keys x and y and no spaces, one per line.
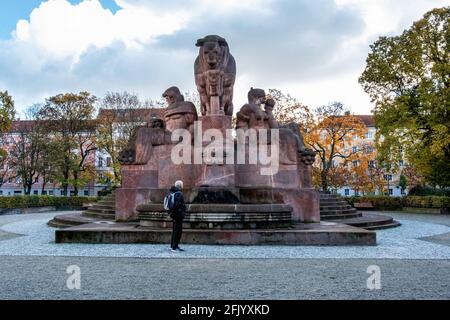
{"x":177,"y":214}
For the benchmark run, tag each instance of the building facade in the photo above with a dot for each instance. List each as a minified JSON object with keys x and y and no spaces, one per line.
{"x":11,"y":184}
{"x":391,"y":179}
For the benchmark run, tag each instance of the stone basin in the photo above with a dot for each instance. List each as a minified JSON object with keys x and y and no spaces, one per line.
{"x":220,"y":216}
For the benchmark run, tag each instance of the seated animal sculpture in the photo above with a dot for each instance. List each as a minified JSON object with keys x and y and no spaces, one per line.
{"x":215,"y":74}
{"x":251,"y":115}
{"x":180,"y":114}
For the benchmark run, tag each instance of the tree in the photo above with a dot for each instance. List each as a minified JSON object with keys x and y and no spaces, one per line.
{"x":361,"y":176}
{"x":69,"y":118}
{"x":119,"y":116}
{"x":5,"y":169}
{"x":7,"y":112}
{"x":403,"y":182}
{"x":25,"y":157}
{"x":408,"y":78}
{"x":289,"y":109}
{"x":332,"y":133}
{"x":29,"y":150}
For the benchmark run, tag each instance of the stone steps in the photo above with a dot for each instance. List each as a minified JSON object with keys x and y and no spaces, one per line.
{"x":70,"y":220}
{"x":335,"y":209}
{"x":95,"y":209}
{"x":103,"y":209}
{"x":301,"y":234}
{"x":341,"y":216}
{"x":325,"y":213}
{"x":98,"y":215}
{"x":371,"y":222}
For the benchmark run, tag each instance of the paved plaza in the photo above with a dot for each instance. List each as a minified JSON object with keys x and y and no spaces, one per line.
{"x":414,"y":262}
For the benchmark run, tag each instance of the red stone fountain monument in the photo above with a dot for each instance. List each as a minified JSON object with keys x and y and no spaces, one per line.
{"x":233,"y":197}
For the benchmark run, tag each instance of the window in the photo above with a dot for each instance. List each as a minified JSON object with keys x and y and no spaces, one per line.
{"x":371,"y":164}
{"x":10,"y":180}
{"x":100,"y":162}
{"x":108,"y":162}
{"x":1,"y":192}
{"x":44,"y":192}
{"x":369,"y":149}
{"x":354,"y":149}
{"x":356,"y":193}
{"x":400,"y":163}
{"x":355,"y":163}
{"x":86,"y":193}
{"x":35,"y":192}
{"x":72,"y":192}
{"x":36,"y":180}
{"x":16,"y":192}
{"x":388,"y":177}
{"x":369,"y":135}
{"x":391,"y":192}
{"x":51,"y":192}
{"x":347,"y":192}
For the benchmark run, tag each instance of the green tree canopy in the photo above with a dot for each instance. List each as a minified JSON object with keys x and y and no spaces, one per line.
{"x":408,"y":78}
{"x":7,"y":112}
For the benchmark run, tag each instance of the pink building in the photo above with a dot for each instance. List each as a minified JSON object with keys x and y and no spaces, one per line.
{"x":12,"y":184}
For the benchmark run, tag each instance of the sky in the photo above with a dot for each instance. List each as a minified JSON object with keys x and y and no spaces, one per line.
{"x":314,"y":50}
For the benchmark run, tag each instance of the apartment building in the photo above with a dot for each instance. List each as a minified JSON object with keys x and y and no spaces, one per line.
{"x":391,"y":179}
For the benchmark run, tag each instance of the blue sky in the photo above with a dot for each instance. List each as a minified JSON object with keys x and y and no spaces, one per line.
{"x":13,"y":10}
{"x":314,"y":50}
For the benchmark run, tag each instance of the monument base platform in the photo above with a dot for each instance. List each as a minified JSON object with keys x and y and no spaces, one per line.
{"x":323,"y":233}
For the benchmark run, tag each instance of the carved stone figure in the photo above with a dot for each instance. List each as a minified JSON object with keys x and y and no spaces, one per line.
{"x":215,"y":73}
{"x":179,"y":115}
{"x":139,"y":148}
{"x":251,"y":115}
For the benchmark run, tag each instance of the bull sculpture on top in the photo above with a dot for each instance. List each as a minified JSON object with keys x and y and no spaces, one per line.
{"x":215,"y":73}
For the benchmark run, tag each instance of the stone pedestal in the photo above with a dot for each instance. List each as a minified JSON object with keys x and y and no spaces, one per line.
{"x":214,"y":170}
{"x":215,"y":108}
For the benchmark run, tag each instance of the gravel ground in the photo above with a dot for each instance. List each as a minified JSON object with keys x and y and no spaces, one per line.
{"x":414,"y":261}
{"x":237,"y":279}
{"x":398,"y":243}
{"x":429,"y":218}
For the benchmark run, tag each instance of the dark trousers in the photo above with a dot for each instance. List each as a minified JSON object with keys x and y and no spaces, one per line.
{"x":177,"y":230}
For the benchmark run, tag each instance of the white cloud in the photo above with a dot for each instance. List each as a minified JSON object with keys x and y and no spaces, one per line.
{"x":62,"y":29}
{"x":314,"y":50}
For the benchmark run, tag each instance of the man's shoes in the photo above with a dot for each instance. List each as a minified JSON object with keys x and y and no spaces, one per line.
{"x":172,"y":250}
{"x":179,"y":249}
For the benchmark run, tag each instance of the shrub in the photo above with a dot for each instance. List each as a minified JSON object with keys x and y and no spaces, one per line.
{"x":20,"y":202}
{"x":390,"y":203}
{"x":379,"y":202}
{"x":427,"y":202}
{"x":428,"y":191}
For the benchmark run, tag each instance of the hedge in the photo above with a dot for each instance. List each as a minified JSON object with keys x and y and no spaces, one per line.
{"x":429,"y":191}
{"x":392,"y":203}
{"x":19,"y":202}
